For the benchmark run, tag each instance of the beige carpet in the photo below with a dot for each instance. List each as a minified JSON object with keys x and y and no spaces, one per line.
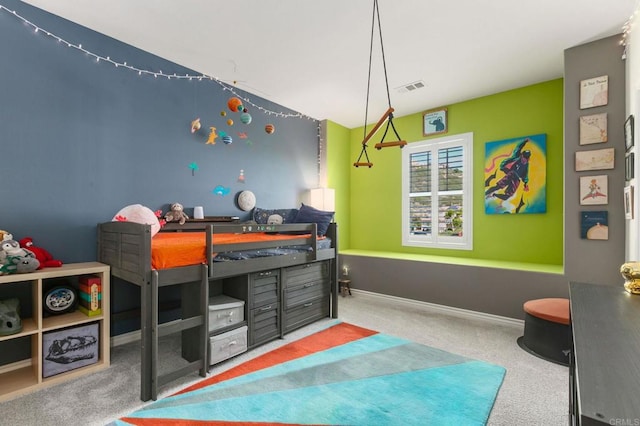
{"x":534,"y":391}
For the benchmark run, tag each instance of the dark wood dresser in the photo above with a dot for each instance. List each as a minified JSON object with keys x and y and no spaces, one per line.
{"x":604,"y":371}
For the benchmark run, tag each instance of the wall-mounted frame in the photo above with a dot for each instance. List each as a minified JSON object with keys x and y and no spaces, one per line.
{"x":598,"y":159}
{"x":594,"y":225}
{"x":628,"y":133}
{"x":435,"y":122}
{"x":594,"y":92}
{"x":629,"y":161}
{"x":628,"y":202}
{"x":593,"y":129}
{"x":594,"y":190}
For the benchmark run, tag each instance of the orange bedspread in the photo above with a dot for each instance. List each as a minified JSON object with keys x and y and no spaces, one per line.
{"x":174,"y":249}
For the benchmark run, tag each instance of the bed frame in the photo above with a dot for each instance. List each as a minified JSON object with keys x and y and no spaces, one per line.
{"x":126,"y":247}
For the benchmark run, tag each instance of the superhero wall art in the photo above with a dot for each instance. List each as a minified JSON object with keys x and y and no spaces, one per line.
{"x":515,"y":175}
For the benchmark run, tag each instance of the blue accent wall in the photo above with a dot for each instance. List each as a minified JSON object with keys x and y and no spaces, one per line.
{"x":82,"y":138}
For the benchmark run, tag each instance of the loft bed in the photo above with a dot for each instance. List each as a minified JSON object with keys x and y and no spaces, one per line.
{"x":216,"y":250}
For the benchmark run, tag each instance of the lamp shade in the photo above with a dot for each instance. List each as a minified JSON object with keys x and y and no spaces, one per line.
{"x":323,"y":199}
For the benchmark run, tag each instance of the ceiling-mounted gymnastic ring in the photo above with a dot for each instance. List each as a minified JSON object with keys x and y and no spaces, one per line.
{"x":388,"y":115}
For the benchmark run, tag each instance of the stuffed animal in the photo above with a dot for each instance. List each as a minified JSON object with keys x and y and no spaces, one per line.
{"x":176,"y":214}
{"x":15,"y":259}
{"x":11,"y":248}
{"x":44,"y":257}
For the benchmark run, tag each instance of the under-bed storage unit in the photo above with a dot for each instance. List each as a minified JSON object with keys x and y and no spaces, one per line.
{"x":306,"y":290}
{"x":249,"y":270}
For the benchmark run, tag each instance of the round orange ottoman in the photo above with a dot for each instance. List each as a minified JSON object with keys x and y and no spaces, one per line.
{"x":547,"y":329}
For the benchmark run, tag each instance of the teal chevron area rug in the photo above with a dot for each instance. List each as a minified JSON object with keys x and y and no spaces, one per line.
{"x":342,"y":375}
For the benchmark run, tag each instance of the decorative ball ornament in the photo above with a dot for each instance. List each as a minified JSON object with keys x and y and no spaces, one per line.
{"x":230,"y":122}
{"x":234,"y":104}
{"x":223,"y":113}
{"x":227,"y":139}
{"x":245,"y":117}
{"x":269,"y":128}
{"x":246,"y":200}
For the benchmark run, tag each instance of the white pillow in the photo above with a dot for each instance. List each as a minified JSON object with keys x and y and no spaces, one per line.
{"x":139,"y":214}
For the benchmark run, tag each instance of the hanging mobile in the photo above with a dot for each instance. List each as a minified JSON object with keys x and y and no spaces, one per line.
{"x":388,"y":115}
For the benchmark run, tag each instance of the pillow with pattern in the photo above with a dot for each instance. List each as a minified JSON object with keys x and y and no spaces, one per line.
{"x":262,"y":215}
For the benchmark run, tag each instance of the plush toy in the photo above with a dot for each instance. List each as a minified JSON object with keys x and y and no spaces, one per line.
{"x":11,"y":248}
{"x":176,"y":214}
{"x":25,"y":264}
{"x":44,"y":257}
{"x":15,"y":259}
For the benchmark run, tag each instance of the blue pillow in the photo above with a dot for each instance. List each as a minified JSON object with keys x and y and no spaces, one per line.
{"x":308,"y":214}
{"x":262,"y":215}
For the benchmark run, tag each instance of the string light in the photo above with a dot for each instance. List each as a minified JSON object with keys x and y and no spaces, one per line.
{"x":626,"y":30}
{"x":155,"y":74}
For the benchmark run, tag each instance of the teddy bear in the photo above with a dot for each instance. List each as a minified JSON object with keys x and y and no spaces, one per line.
{"x":176,"y":213}
{"x":44,"y":257}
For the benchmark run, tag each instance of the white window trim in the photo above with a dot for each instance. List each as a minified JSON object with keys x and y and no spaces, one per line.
{"x":434,"y":240}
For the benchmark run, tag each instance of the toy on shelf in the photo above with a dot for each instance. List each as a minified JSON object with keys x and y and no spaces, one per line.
{"x":176,"y":214}
{"x":44,"y":257}
{"x":15,"y":259}
{"x":10,"y":322}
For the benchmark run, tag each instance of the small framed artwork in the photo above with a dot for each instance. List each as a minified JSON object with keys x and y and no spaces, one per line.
{"x":593,"y":128}
{"x":594,"y":190}
{"x":435,"y":122}
{"x":628,"y":202}
{"x":594,"y":225}
{"x":594,"y":92}
{"x":598,"y":159}
{"x":628,"y":133}
{"x":629,"y":161}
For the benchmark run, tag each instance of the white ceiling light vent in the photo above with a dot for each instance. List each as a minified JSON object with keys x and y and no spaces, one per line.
{"x":410,"y":87}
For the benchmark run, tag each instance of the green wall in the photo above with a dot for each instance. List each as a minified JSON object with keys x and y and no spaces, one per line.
{"x":372,"y":196}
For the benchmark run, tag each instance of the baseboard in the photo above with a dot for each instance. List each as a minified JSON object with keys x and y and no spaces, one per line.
{"x":15,"y":366}
{"x":133,"y":336}
{"x":123,"y":339}
{"x":448,"y":310}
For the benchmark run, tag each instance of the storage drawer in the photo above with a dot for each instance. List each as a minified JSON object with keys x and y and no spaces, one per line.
{"x":225,"y":311}
{"x":295,"y":275}
{"x":226,"y":345}
{"x":306,"y":313}
{"x":264,"y":324}
{"x":264,"y":288}
{"x":303,"y":292}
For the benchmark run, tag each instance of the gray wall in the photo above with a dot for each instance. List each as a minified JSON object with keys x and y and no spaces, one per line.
{"x":81,"y":139}
{"x":500,"y":291}
{"x":589,"y":260}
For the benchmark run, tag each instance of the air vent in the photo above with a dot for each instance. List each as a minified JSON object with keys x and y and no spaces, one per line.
{"x":410,"y":87}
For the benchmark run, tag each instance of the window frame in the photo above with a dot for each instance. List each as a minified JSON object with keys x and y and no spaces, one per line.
{"x":434,"y":240}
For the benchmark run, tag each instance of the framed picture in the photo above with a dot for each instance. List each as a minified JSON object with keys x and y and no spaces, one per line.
{"x":599,"y":159}
{"x":628,"y":133}
{"x":594,"y":190}
{"x":594,"y":225}
{"x":435,"y":122}
{"x":628,"y":202}
{"x":594,"y":92}
{"x":593,"y":128}
{"x":629,"y":165}
{"x":508,"y":164}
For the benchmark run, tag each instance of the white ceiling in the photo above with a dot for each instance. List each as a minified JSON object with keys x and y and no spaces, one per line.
{"x":313,"y":56}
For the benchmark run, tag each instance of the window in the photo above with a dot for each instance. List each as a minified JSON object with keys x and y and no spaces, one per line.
{"x":437,"y":198}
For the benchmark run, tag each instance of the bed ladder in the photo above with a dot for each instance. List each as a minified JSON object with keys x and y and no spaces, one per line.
{"x":194,"y":324}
